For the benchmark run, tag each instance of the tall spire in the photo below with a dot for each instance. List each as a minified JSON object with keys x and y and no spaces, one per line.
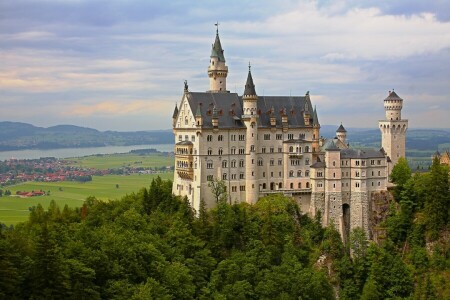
{"x":175,"y":112}
{"x":315,"y":117}
{"x":249,"y":86}
{"x":217,"y":50}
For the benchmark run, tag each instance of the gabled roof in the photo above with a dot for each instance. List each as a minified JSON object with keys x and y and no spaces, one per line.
{"x":217,"y":50}
{"x":229,"y":109}
{"x":362,"y":153}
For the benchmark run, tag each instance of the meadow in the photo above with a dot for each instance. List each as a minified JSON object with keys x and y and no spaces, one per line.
{"x":115,"y":161}
{"x":14,"y":209}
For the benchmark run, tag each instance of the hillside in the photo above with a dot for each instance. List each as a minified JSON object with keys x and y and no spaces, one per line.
{"x":20,"y":136}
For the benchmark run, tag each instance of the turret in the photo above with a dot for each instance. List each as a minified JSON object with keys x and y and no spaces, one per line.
{"x":198,"y":117}
{"x":341,"y":134}
{"x":217,"y":70}
{"x":393,"y":129}
{"x":175,"y":116}
{"x":250,"y":118}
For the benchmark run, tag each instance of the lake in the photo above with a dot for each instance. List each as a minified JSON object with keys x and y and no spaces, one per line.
{"x":77,"y":152}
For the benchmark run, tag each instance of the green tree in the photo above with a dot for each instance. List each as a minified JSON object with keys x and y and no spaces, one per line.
{"x":218,"y":189}
{"x":400,"y":175}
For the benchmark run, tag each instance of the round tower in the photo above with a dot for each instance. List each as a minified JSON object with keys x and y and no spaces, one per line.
{"x":250,"y":117}
{"x":393,"y":129}
{"x":217,"y":70}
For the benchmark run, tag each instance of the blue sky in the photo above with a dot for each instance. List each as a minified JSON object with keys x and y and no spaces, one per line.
{"x":120,"y":65}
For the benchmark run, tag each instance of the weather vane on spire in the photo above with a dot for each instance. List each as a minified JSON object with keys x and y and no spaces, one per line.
{"x":217,"y":25}
{"x":249,"y":66}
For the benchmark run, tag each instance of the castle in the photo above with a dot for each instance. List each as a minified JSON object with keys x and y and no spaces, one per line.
{"x":260,"y":145}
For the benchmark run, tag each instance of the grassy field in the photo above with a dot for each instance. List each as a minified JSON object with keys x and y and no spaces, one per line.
{"x":15,"y":209}
{"x":115,"y":161}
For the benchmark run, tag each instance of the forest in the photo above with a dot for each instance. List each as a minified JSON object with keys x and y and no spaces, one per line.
{"x":152,"y":245}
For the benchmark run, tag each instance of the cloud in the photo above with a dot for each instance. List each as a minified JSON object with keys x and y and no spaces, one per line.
{"x":115,"y":108}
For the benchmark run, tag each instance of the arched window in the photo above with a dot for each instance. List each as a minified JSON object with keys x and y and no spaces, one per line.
{"x":307,"y":149}
{"x":220,"y":151}
{"x":299,"y":185}
{"x":291,"y":149}
{"x":307,"y":185}
{"x":233,"y":163}
{"x":291,"y":173}
{"x":292,"y":185}
{"x":209,"y":151}
{"x":299,"y":173}
{"x":280,"y":185}
{"x":224,"y":164}
{"x":264,"y":186}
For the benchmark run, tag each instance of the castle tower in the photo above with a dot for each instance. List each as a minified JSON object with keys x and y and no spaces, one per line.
{"x":333,"y":195}
{"x":217,"y":70}
{"x":341,"y":134}
{"x":316,"y":135}
{"x":250,"y":117}
{"x":393,"y":129}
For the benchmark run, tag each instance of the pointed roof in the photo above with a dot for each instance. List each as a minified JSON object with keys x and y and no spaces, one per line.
{"x":332,"y":147}
{"x":217,"y":50}
{"x":198,"y":112}
{"x":393,"y":96}
{"x":249,"y":86}
{"x":315,"y":118}
{"x":175,"y":112}
{"x":341,"y":129}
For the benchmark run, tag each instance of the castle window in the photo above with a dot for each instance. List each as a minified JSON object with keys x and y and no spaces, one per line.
{"x":292,"y":185}
{"x":379,"y":183}
{"x":334,"y":175}
{"x":186,"y":120}
{"x":271,"y":150}
{"x":372,"y":183}
{"x":252,"y":148}
{"x":357,"y":184}
{"x":280,"y":185}
{"x":209,"y":151}
{"x":224,"y":164}
{"x":290,"y":136}
{"x":307,"y":185}
{"x":272,"y":162}
{"x":263,"y":150}
{"x":233,"y":176}
{"x":260,"y":161}
{"x":242,"y":188}
{"x":241,"y":176}
{"x":224,"y":176}
{"x":271,"y":174}
{"x":209,"y":138}
{"x":307,"y":173}
{"x":299,"y":173}
{"x":379,"y":162}
{"x":220,"y":151}
{"x":334,"y":185}
{"x":299,"y":185}
{"x":241,"y":163}
{"x":372,"y":162}
{"x":233,"y":163}
{"x":280,"y":162}
{"x":209,"y":178}
{"x":291,"y":149}
{"x":233,"y":137}
{"x":319,"y":174}
{"x":264,"y":186}
{"x":357,"y":174}
{"x":241,"y":150}
{"x":357,"y":162}
{"x":379,"y":173}
{"x":193,"y":138}
{"x":234,"y":189}
{"x":242,"y":137}
{"x":291,"y":173}
{"x":301,"y":136}
{"x":233,"y":150}
{"x":220,"y":138}
{"x":279,"y":136}
{"x":264,"y":174}
{"x":307,"y":161}
{"x":334,"y":163}
{"x":186,"y":138}
{"x":209,"y":164}
{"x":180,"y":138}
{"x":267,"y":136}
{"x":280,"y":149}
{"x":306,"y":148}
{"x":319,"y":184}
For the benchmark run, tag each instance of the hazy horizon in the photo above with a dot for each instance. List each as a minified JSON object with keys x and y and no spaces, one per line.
{"x":119,"y":65}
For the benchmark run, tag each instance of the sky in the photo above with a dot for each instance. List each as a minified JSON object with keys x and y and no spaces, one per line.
{"x":120,"y":65}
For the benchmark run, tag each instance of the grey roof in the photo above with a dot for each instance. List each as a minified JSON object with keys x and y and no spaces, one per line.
{"x":332,"y":147}
{"x":249,"y":86}
{"x":318,"y":164}
{"x":198,"y":112}
{"x":393,"y":96}
{"x":361,"y":153}
{"x":315,"y":117}
{"x":175,"y":112}
{"x":184,"y":143}
{"x":229,"y":108}
{"x":217,"y":50}
{"x":341,"y":129}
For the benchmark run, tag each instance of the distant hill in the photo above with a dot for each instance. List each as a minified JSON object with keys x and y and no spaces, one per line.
{"x":16,"y":136}
{"x":19,"y":136}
